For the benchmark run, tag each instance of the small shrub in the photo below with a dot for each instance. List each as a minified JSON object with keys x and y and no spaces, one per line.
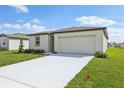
{"x":28,"y":51}
{"x":33,"y":51}
{"x":39,"y":51}
{"x":100,"y":55}
{"x":21,"y":47}
{"x":3,"y":49}
{"x":54,"y":52}
{"x":42,"y":51}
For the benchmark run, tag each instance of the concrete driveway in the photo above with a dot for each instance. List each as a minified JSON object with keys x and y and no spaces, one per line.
{"x":53,"y":71}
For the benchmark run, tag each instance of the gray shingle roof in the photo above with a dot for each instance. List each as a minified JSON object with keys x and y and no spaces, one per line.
{"x":16,"y":36}
{"x":76,"y":28}
{"x":68,"y":29}
{"x":73,"y":29}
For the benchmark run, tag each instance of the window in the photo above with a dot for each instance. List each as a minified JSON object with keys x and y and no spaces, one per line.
{"x":37,"y":41}
{"x":3,"y":43}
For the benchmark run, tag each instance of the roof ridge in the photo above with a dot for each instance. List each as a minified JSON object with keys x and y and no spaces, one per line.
{"x":17,"y":36}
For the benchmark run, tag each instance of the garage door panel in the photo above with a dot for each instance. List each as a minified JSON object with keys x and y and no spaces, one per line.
{"x":77,"y":44}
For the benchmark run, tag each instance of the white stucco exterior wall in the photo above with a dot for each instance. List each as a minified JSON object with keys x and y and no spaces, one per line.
{"x":101,"y":41}
{"x":105,"y":43}
{"x":44,"y":42}
{"x":14,"y":44}
{"x":122,"y":45}
{"x":4,"y":39}
{"x":1,"y":41}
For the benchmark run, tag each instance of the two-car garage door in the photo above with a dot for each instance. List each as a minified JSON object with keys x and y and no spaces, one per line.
{"x":77,"y":44}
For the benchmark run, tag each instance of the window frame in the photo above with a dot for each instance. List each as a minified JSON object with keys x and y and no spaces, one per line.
{"x":37,"y":39}
{"x":4,"y":43}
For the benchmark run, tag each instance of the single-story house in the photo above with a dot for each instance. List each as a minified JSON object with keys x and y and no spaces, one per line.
{"x":12,"y":41}
{"x":79,"y":40}
{"x":121,"y":45}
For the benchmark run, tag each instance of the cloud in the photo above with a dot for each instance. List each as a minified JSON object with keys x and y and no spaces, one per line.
{"x":15,"y":26}
{"x":20,"y":8}
{"x":20,"y":21}
{"x":94,"y":21}
{"x":116,"y":34}
{"x":3,"y":32}
{"x":37,"y":27}
{"x":121,"y":24}
{"x":35,"y":21}
{"x":9,"y":32}
{"x":25,"y":26}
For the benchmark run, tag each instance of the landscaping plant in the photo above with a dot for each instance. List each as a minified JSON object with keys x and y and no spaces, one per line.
{"x":21,"y":46}
{"x":3,"y":49}
{"x":100,"y":55}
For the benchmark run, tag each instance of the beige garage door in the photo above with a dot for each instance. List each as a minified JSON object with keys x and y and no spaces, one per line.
{"x":77,"y":44}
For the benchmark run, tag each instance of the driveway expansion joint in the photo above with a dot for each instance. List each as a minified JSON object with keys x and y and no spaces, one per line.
{"x":17,"y":81}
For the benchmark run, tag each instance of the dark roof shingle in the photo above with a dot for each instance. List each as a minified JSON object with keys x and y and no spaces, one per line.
{"x":16,"y":36}
{"x":73,"y":29}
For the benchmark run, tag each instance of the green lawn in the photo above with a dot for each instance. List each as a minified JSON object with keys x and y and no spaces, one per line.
{"x":104,"y":73}
{"x":11,"y":57}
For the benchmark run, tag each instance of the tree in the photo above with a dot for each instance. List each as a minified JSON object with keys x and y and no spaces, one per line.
{"x":21,"y":46}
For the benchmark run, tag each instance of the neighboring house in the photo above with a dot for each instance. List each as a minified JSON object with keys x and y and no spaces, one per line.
{"x":79,"y":40}
{"x":113,"y":44}
{"x":121,"y":45}
{"x":109,"y":45}
{"x":12,"y":41}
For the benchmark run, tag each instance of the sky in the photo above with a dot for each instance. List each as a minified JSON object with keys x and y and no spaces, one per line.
{"x":37,"y":18}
